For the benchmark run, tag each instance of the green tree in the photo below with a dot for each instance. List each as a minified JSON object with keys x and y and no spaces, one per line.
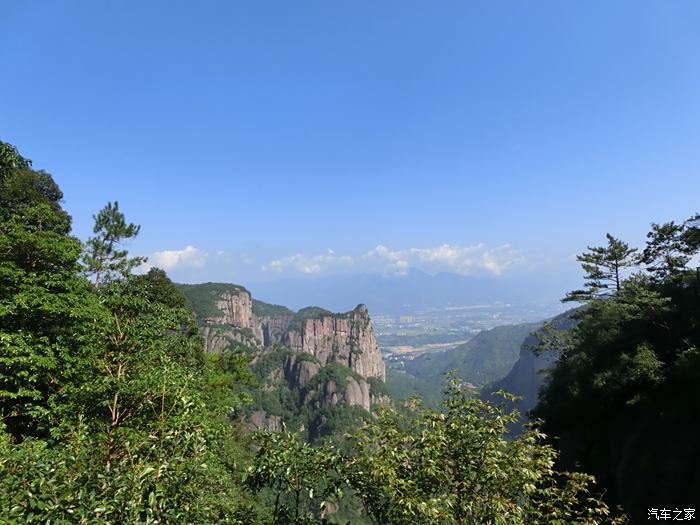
{"x":46,"y":309}
{"x":11,"y":161}
{"x":426,"y":466}
{"x":107,"y":404}
{"x":625,"y":384}
{"x":139,"y":440}
{"x":667,"y":251}
{"x":299,"y":478}
{"x":455,"y":466}
{"x":160,"y":289}
{"x":604,"y":267}
{"x":691,"y":235}
{"x":104,"y":256}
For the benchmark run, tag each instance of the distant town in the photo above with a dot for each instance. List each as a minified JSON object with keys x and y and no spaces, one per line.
{"x":408,"y":335}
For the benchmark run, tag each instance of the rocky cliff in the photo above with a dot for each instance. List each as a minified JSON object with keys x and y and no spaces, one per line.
{"x":318,"y":368}
{"x":228,"y":314}
{"x":225,"y":314}
{"x":321,"y":385}
{"x":346,"y":338}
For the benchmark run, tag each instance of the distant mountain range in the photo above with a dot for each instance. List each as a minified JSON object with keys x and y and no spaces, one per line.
{"x":397,"y":294}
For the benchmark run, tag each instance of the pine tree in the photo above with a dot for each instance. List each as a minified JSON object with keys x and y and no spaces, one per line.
{"x":691,"y":234}
{"x":604,"y":266}
{"x":102,"y":256}
{"x":667,"y":252}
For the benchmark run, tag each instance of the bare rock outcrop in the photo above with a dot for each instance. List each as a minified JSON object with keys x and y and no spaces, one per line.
{"x":233,"y":316}
{"x":352,"y":392}
{"x":300,"y":371}
{"x":239,"y":318}
{"x":318,"y":340}
{"x":358,"y":393}
{"x":236,"y":308}
{"x":261,"y":420}
{"x":346,"y":338}
{"x":271,"y":329}
{"x":231,"y":320}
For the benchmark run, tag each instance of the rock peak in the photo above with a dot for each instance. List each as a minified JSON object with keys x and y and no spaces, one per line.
{"x":361,"y":308}
{"x":233,"y":316}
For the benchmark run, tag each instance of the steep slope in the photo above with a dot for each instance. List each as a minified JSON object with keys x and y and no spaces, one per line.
{"x":227,"y":313}
{"x":527,"y":376}
{"x":346,"y":338}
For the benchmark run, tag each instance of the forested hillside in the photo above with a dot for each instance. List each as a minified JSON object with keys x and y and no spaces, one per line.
{"x":529,"y":373}
{"x":624,"y":397}
{"x":486,"y":358}
{"x":113,"y":413}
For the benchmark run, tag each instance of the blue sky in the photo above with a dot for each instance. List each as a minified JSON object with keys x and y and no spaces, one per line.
{"x":260,"y":140}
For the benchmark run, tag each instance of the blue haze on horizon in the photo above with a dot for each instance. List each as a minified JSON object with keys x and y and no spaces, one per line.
{"x":255,"y":141}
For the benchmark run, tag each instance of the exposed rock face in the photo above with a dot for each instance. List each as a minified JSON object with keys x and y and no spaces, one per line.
{"x":260,"y":420}
{"x":218,"y":337}
{"x":237,"y":310}
{"x":354,"y":392}
{"x":317,"y":342}
{"x":271,"y":329}
{"x":236,"y":322}
{"x":381,"y":399}
{"x":347,"y":339}
{"x":299,"y":372}
{"x":239,"y":323}
{"x":357,"y":393}
{"x":526,"y":377}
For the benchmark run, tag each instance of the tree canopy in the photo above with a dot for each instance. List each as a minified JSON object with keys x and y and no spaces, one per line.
{"x":103,"y":258}
{"x":604,"y":267}
{"x":626,"y":382}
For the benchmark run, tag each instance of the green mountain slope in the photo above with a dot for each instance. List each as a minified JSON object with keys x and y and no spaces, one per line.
{"x":201,"y":298}
{"x":487,"y":357}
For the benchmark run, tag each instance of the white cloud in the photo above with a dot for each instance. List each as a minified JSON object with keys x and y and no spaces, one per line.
{"x":309,"y":265}
{"x":466,"y":260}
{"x":169,"y":259}
{"x":477,"y":259}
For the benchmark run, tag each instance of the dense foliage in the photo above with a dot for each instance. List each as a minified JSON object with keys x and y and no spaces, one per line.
{"x":263,"y":309}
{"x":426,"y":466}
{"x":624,"y":398}
{"x":106,"y":412}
